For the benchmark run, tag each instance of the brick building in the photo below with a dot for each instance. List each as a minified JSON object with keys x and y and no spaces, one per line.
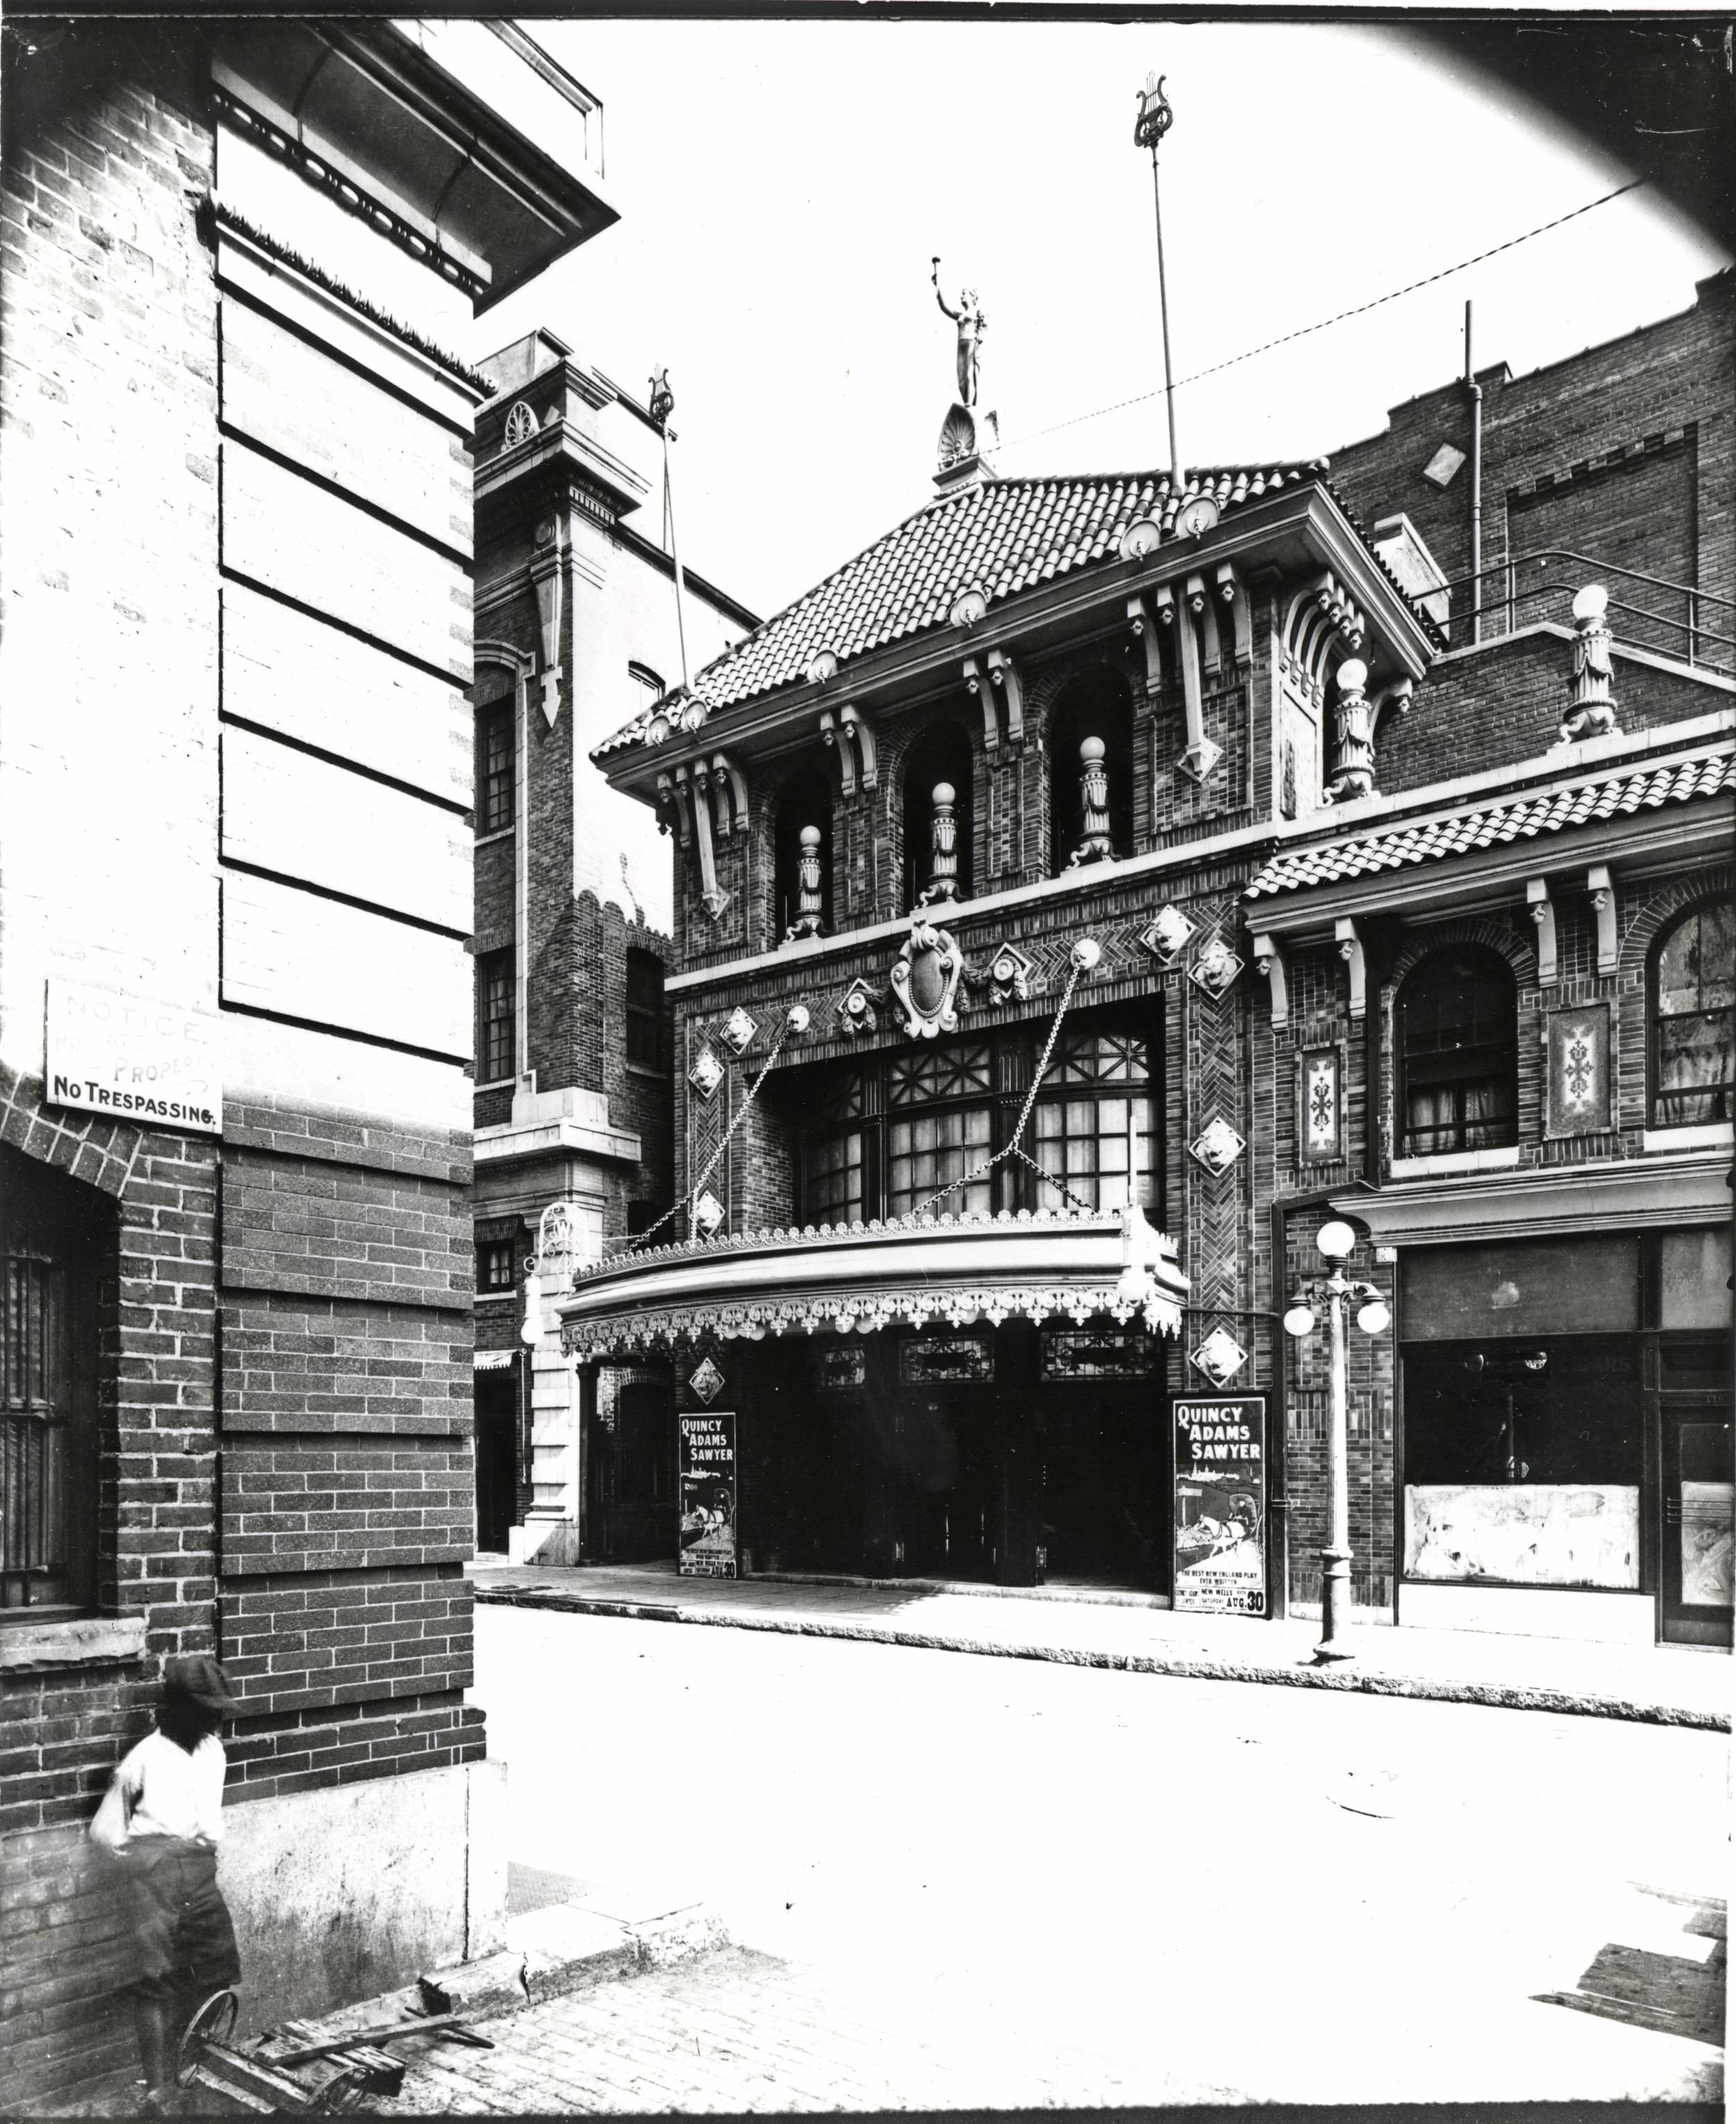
{"x":1342,"y":893}
{"x":241,"y":262}
{"x":576,"y":623}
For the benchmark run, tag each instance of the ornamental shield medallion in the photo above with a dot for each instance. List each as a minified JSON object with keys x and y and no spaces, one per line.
{"x":925,"y":979}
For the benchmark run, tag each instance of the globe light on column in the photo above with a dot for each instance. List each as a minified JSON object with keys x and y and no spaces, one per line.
{"x":530,"y":1331}
{"x":1299,"y":1320}
{"x":1374,"y":1317}
{"x":1336,"y":1240}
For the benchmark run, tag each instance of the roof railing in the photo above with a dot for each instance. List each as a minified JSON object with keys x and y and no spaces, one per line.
{"x":1520,"y":584}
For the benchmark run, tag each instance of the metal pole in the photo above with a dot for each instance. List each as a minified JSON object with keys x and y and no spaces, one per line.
{"x":1163,"y":304}
{"x":1334,"y":1582}
{"x":668,"y":503}
{"x":1476,"y":486}
{"x":1155,"y":118}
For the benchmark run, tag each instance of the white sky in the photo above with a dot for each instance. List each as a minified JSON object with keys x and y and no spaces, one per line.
{"x":783,"y":185}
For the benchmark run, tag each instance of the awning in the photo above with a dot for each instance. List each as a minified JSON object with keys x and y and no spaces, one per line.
{"x":495,"y":1360}
{"x":1617,"y":1195}
{"x":1036,"y":1265}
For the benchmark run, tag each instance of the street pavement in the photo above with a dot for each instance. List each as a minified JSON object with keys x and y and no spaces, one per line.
{"x":962,"y":1883}
{"x":1665,"y":1685}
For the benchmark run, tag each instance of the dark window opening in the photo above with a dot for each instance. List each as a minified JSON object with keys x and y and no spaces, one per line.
{"x":1095,"y":705}
{"x":496,"y":1267}
{"x":493,"y":768}
{"x":1694,"y":1020}
{"x":495,"y":1001}
{"x":643,"y":675}
{"x":643,"y":1214}
{"x":940,"y":756}
{"x":804,"y":802}
{"x":1457,"y":1017}
{"x":54,"y":1232}
{"x":1557,"y":1409}
{"x":644,"y":1041}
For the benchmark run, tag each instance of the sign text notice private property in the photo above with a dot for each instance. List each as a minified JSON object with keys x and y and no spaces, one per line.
{"x":134,"y":1059}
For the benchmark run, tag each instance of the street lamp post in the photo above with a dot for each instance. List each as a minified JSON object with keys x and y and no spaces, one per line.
{"x":1335,"y":1241}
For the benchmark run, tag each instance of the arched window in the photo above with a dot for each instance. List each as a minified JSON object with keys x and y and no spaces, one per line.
{"x":1694,"y":1019}
{"x":804,"y":804}
{"x":1457,"y":1047}
{"x":1094,"y":709}
{"x":939,"y":758}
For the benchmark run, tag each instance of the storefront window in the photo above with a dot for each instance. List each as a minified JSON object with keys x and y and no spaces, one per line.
{"x":1694,"y":1020}
{"x":1457,"y":1055}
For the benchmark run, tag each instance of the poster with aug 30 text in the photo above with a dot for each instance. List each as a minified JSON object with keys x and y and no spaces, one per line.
{"x":705,"y":1490}
{"x":1220,"y":1504}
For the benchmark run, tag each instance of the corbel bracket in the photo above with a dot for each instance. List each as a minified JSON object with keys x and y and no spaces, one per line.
{"x":712,"y":898}
{"x":829,"y":732}
{"x":985,"y":698}
{"x":674,"y":797}
{"x":1601,"y":887}
{"x":1350,"y":951}
{"x":1269,"y":960}
{"x":1234,"y":597}
{"x":1004,"y":674}
{"x":729,"y":788}
{"x":1543,"y":914}
{"x":853,"y":723}
{"x":1144,"y":627}
{"x":1200,"y":756}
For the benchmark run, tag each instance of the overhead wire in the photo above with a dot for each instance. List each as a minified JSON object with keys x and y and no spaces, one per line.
{"x":1361,"y":309}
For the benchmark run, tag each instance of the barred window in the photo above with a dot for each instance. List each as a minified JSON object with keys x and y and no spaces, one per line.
{"x":1694,"y":1020}
{"x":49,"y":1244}
{"x":493,"y":768}
{"x":496,"y":1002}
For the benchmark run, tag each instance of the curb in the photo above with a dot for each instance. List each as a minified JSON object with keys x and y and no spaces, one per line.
{"x":1501,"y":1696}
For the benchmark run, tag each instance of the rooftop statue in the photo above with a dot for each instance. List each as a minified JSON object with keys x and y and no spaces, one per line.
{"x":972,"y":324}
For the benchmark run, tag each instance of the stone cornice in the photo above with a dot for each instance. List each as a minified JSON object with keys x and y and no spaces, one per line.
{"x":1620,"y":1194}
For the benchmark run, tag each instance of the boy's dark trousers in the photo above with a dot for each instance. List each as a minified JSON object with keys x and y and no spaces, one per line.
{"x":183,"y":1942}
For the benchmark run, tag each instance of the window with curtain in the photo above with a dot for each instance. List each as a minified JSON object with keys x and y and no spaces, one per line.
{"x":881,"y":1138}
{"x":1095,"y":1130}
{"x":1694,"y":1020}
{"x":1457,"y":1044}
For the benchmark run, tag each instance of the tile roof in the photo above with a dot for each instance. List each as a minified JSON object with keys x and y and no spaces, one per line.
{"x":1634,"y":789}
{"x":1006,"y":536}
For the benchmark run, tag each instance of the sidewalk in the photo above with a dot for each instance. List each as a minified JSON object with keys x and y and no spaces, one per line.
{"x":1663,"y":1686}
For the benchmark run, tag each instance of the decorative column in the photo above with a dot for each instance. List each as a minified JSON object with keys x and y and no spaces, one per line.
{"x":1095,"y":845}
{"x":943,"y":876}
{"x":1592,"y":710}
{"x":1351,"y":772}
{"x":808,"y":903}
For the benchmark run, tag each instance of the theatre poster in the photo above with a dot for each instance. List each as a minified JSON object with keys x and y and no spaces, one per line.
{"x":705,"y":1494}
{"x":1220,"y":1504}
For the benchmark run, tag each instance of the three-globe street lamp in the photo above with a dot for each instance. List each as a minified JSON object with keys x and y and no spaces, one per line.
{"x":1336,"y":1240}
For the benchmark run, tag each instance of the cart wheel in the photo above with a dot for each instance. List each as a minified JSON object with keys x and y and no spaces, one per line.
{"x":211,"y":2024}
{"x":338,"y":2097}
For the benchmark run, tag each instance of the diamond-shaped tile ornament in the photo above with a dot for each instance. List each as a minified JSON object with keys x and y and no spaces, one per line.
{"x":856,"y":1008}
{"x":738,"y":1031}
{"x":1009,"y":976}
{"x":1166,"y":938}
{"x":708,"y":1214}
{"x":1217,"y":1146}
{"x":1220,"y":1357}
{"x":706,"y":1074}
{"x":707,"y":1382}
{"x":1214,"y":968}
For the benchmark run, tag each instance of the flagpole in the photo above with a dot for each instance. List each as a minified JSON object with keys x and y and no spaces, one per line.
{"x":1154,"y":120}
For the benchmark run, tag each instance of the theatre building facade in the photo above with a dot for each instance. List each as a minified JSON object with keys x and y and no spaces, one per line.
{"x":1101,"y":885}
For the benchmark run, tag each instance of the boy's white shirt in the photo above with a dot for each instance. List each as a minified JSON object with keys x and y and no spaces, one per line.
{"x":160,"y":1790}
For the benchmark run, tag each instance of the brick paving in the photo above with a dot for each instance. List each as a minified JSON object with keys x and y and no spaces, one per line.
{"x":739,"y":2031}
